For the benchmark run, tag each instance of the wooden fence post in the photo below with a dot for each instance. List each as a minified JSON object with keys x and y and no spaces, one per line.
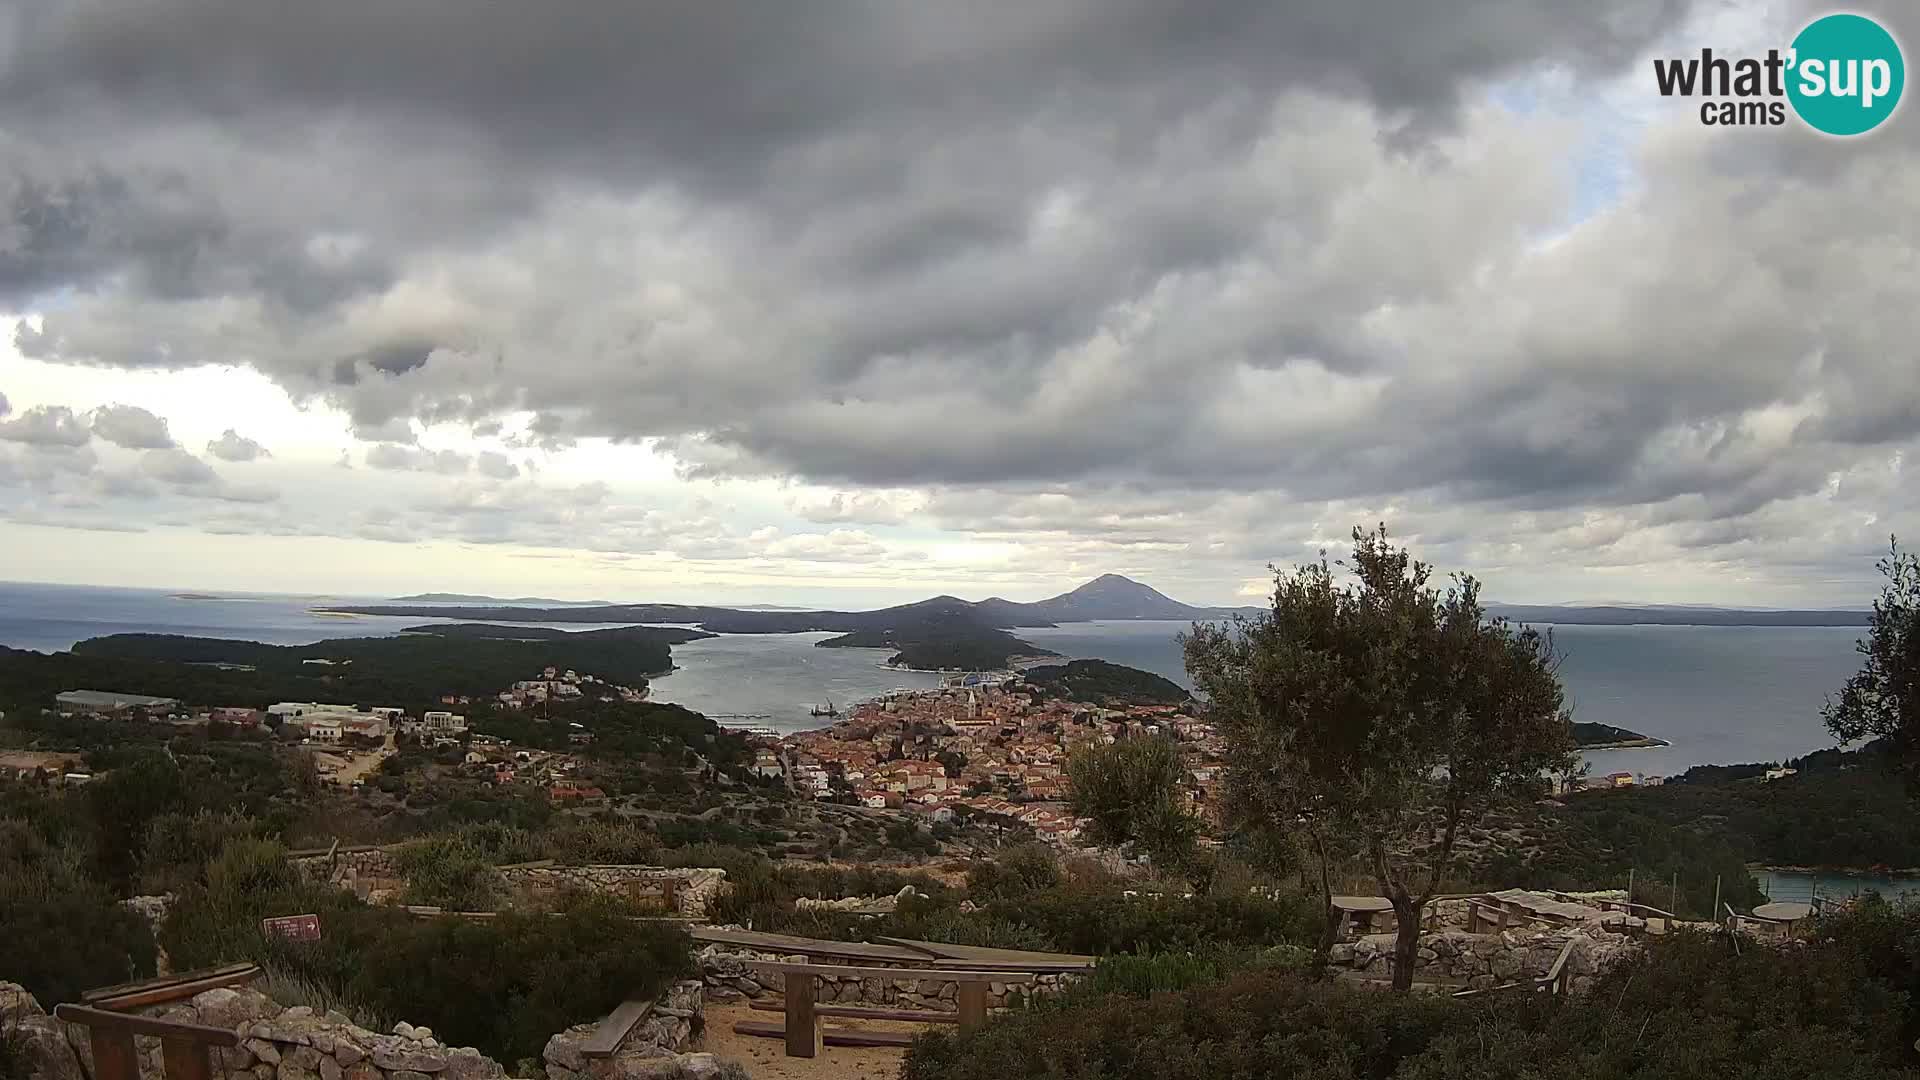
{"x":803,"y":1024}
{"x":972,"y":1001}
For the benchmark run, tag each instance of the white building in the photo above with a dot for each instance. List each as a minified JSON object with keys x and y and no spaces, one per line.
{"x":296,"y":710}
{"x":443,"y":723}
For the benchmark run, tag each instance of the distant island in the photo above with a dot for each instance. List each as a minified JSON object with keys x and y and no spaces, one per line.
{"x":961,"y":647}
{"x":469,"y":598}
{"x":947,"y":633}
{"x":1099,"y":682}
{"x":1608,"y":737}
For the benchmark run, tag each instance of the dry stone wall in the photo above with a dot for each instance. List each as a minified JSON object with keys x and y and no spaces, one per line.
{"x":1486,"y":960}
{"x":728,"y":978}
{"x":653,"y":1047}
{"x":275,"y":1044}
{"x":376,"y":875}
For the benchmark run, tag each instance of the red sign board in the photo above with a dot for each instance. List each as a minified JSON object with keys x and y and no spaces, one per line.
{"x":292,"y":927}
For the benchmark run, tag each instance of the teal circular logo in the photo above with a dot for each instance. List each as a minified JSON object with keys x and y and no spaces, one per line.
{"x":1846,"y":74}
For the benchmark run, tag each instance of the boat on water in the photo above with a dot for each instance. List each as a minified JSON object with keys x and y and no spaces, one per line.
{"x":824,"y":710}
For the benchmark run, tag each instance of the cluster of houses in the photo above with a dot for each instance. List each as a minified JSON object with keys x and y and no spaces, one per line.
{"x":497,"y":762}
{"x":326,"y":723}
{"x":557,"y":685}
{"x":991,"y":751}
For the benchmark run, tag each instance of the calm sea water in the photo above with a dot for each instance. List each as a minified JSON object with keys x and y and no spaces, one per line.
{"x":1719,"y":694}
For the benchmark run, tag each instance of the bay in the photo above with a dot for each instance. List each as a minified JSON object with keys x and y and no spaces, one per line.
{"x":1720,"y":695}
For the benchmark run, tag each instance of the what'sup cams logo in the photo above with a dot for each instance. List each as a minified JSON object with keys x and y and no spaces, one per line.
{"x":1842,"y":75}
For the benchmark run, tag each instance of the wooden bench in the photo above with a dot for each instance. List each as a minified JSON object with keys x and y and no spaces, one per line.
{"x":866,"y":1012}
{"x":183,"y":1047}
{"x":175,"y":987}
{"x":802,"y":1028}
{"x":613,"y":1030}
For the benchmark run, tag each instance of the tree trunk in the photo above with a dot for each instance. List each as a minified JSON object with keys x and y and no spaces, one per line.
{"x":1406,"y":941}
{"x":1330,"y":930}
{"x":1329,"y":934}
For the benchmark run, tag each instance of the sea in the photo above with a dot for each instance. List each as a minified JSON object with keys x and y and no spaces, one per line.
{"x":1717,"y":694}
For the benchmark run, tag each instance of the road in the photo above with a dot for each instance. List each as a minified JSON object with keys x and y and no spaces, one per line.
{"x":363,"y":765}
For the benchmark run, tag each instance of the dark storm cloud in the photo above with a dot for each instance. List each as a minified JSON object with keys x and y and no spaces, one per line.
{"x":1112,"y":246}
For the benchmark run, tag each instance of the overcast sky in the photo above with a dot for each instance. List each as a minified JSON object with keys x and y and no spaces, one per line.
{"x":852,"y":302}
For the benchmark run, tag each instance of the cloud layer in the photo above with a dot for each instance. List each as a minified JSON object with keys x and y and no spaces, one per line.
{"x":1177,"y":288}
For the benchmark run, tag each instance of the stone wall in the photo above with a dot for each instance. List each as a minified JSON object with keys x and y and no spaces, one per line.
{"x":375,"y":875}
{"x":1486,"y":960}
{"x":372,"y":874}
{"x":654,"y":1045}
{"x":727,"y":977}
{"x":693,"y":887}
{"x":276,"y":1044}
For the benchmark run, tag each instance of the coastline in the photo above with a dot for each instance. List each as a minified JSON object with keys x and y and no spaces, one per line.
{"x":1648,"y":743}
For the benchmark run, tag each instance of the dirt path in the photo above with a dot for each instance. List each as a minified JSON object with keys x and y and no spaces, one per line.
{"x":766,"y":1059}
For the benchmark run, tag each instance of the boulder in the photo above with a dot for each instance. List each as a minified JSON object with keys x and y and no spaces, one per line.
{"x":399,"y":1060}
{"x":48,"y":1054}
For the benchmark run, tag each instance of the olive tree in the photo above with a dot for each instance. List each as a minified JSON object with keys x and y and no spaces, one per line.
{"x":1131,"y":794}
{"x":1882,"y":699}
{"x":1372,"y":713}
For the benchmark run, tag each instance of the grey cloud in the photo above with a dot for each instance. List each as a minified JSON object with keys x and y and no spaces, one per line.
{"x":1092,"y":274}
{"x":5,"y":408}
{"x":233,"y":446}
{"x":179,"y":468}
{"x":46,"y":425}
{"x":496,"y":465}
{"x":246,"y":493}
{"x":389,"y":430}
{"x":124,"y":484}
{"x":132,"y":427}
{"x":393,"y":456}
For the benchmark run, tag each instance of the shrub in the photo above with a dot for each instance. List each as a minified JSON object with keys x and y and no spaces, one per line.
{"x":450,"y":873}
{"x":1688,"y":1008}
{"x":1014,"y":873}
{"x":63,"y":932}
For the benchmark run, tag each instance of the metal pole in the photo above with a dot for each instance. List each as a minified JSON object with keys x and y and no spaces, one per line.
{"x":1673,"y":898}
{"x":1629,"y":884}
{"x":1715,"y":909}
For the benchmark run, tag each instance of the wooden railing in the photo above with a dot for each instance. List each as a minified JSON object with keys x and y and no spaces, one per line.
{"x":802,"y":1028}
{"x":183,"y":1047}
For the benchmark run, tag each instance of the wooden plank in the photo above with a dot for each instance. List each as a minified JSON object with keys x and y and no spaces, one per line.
{"x":613,"y":1030}
{"x":973,"y":1006}
{"x":829,"y":1037}
{"x":801,"y":946}
{"x":185,"y":1059}
{"x":174,"y":979}
{"x":989,"y":958}
{"x":802,"y":1026}
{"x":177,"y":991}
{"x":864,"y":1012}
{"x":780,"y":968}
{"x":100,"y":1020}
{"x":1030,"y":967}
{"x":113,"y":1056}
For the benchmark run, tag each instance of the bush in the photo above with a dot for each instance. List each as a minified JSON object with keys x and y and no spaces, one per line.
{"x":450,"y":873}
{"x":1688,"y":1008}
{"x":63,"y":932}
{"x":504,"y":984}
{"x":1016,"y":872}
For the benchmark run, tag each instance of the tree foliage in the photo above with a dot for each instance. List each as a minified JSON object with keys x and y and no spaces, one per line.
{"x":1882,"y":699}
{"x":1382,"y":712}
{"x":1131,"y":793}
